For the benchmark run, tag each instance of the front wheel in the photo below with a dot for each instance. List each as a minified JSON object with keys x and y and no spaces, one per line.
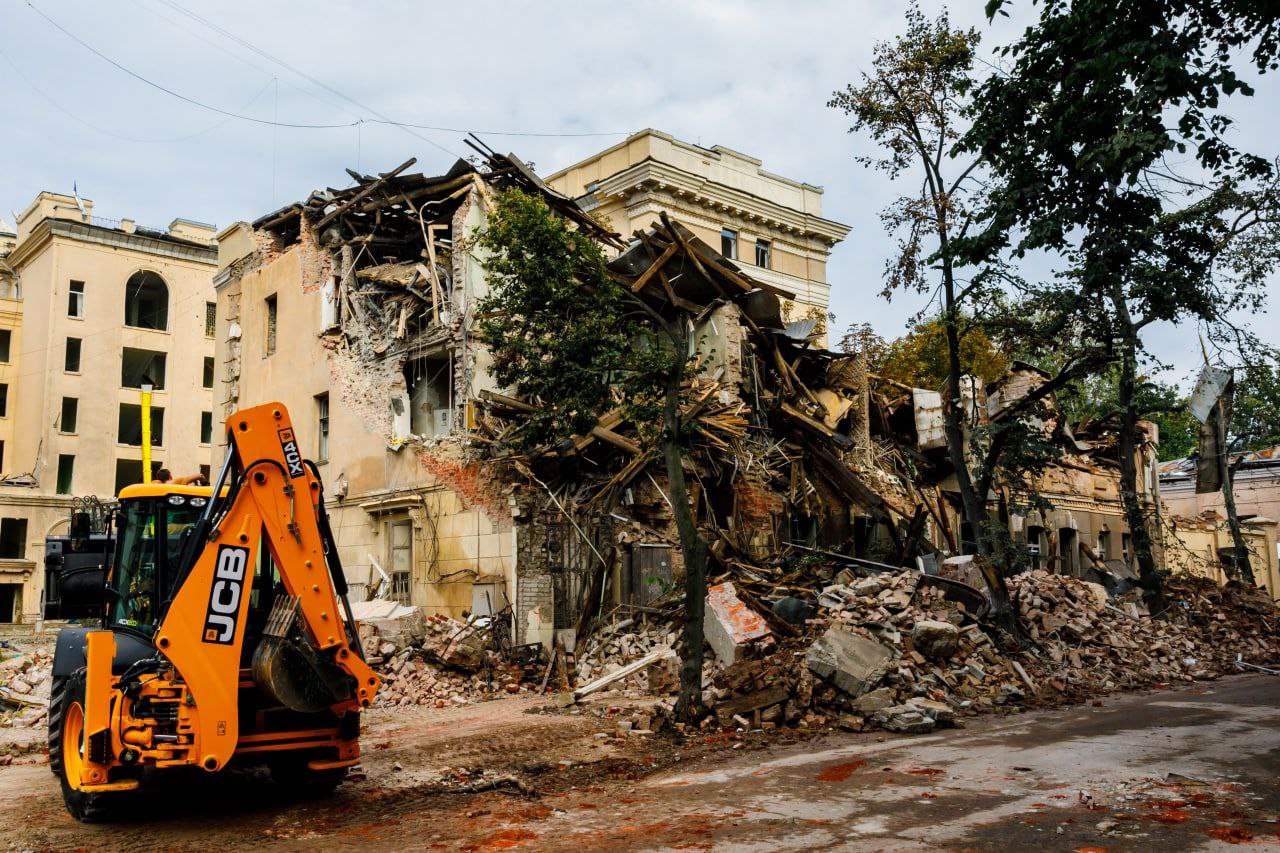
{"x":84,"y":806}
{"x":57,"y":709}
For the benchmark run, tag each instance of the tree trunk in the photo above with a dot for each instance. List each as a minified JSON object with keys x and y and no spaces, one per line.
{"x":973,"y":505}
{"x":1241,"y":566}
{"x":689,"y":706}
{"x":1148,"y":576}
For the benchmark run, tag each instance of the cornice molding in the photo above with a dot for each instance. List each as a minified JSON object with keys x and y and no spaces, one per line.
{"x":650,"y":175}
{"x":83,"y":232}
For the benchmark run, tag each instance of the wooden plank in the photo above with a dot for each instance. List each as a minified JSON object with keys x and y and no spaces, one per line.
{"x":509,"y":402}
{"x":621,"y":442}
{"x":630,"y":669}
{"x":816,"y":426}
{"x":648,"y":274}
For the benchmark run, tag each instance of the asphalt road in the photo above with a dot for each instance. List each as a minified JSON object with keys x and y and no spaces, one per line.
{"x":1196,"y":768}
{"x":1192,"y":768}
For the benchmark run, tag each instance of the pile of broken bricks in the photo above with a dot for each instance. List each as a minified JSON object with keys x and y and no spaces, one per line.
{"x":438,"y":661}
{"x":891,"y":652}
{"x":24,"y":689}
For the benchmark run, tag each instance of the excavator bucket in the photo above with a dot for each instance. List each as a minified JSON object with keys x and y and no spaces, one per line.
{"x":288,"y":668}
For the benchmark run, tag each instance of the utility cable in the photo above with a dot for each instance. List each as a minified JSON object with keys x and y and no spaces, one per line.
{"x":171,"y":92}
{"x":78,"y":118}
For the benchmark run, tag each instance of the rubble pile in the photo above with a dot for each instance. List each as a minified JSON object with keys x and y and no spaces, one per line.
{"x":1093,"y":646}
{"x":902,"y":651}
{"x":435,"y":660}
{"x":24,"y":689}
{"x":614,"y":646}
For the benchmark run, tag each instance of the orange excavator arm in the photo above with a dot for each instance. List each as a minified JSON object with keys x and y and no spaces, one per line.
{"x":274,"y":500}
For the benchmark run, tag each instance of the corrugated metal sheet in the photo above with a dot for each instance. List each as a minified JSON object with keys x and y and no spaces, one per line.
{"x":928,"y":412}
{"x":1209,"y":387}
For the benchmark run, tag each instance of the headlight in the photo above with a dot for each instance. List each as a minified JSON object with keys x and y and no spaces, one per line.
{"x":198,"y":502}
{"x":176,"y":500}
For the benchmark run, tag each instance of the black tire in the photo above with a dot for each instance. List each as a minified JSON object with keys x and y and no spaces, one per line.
{"x":296,"y":779}
{"x":57,"y":691}
{"x":84,"y":806}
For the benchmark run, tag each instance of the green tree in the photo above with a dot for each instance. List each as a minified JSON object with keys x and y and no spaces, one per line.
{"x":566,"y":336}
{"x":920,"y":358}
{"x":1077,"y":134}
{"x":912,"y":107}
{"x":1255,"y":414}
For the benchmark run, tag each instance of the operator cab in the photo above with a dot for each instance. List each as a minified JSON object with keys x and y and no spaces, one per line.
{"x":153,"y":525}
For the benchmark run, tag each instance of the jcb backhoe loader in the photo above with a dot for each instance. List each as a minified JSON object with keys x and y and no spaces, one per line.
{"x":226,"y":637}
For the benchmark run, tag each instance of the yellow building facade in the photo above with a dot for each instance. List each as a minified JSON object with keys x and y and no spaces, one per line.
{"x":770,"y":225}
{"x":90,"y":310}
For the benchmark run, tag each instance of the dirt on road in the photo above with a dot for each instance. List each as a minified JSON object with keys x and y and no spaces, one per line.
{"x":1191,"y":768}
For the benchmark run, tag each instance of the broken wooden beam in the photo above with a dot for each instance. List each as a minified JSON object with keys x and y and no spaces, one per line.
{"x":363,"y":194}
{"x":630,"y":669}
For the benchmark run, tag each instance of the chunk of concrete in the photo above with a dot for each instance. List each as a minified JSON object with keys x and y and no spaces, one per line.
{"x":904,"y":719}
{"x":935,"y":640}
{"x":854,"y":664}
{"x":870,"y":585}
{"x":730,"y":625}
{"x":940,"y":712}
{"x":395,"y":623}
{"x":880,"y":698}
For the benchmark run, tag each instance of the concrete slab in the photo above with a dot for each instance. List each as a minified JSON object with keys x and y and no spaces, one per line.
{"x":730,"y":624}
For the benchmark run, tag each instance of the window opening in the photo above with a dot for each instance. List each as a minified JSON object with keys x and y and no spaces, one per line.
{"x":146,"y":301}
{"x":142,"y":365}
{"x":75,"y":299}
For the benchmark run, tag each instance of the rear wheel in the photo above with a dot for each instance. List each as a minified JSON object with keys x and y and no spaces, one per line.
{"x":57,"y":710}
{"x":84,"y":806}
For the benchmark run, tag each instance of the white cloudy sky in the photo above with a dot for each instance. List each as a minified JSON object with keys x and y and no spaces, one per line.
{"x":752,"y":76}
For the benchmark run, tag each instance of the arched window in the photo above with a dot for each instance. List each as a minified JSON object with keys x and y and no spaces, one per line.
{"x":146,"y":301}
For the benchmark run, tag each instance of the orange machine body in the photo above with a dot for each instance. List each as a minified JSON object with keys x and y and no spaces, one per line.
{"x":199,"y":705}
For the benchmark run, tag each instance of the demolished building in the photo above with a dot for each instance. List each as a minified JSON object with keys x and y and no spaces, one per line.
{"x":1196,"y":531}
{"x":358,"y":305}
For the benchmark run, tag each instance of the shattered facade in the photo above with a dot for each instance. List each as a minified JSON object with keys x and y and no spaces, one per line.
{"x":1195,"y":525}
{"x":1083,"y":530}
{"x":357,"y":306}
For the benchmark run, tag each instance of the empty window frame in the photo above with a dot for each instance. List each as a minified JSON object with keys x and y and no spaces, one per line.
{"x":142,"y":365}
{"x":70,"y":414}
{"x":210,"y":319}
{"x":6,"y":338}
{"x":206,"y":427}
{"x":146,"y":301}
{"x":322,"y":427}
{"x":4,"y":399}
{"x":66,"y":472}
{"x":13,"y":538}
{"x":764,"y":254}
{"x":207,"y":380}
{"x":129,"y":472}
{"x":271,"y":307}
{"x":729,"y":243}
{"x":1036,"y":546}
{"x":1068,"y":551}
{"x":400,"y":559}
{"x":130,"y":425}
{"x":1104,"y":544}
{"x":75,"y":299}
{"x":71,"y":360}
{"x":1,"y":457}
